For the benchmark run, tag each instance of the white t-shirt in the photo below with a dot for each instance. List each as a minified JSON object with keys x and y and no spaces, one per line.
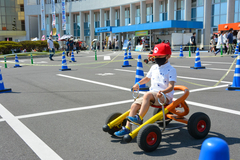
{"x":51,"y":45}
{"x":160,"y":78}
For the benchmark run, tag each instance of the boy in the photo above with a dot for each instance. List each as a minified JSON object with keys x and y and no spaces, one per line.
{"x":163,"y":78}
{"x":51,"y":47}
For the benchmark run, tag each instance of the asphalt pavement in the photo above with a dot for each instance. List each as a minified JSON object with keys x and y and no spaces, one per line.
{"x":52,"y":114}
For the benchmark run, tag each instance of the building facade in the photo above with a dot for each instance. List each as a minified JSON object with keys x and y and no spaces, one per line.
{"x":12,"y":20}
{"x":86,"y":18}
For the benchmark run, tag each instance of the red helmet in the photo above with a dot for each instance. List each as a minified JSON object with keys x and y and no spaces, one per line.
{"x":161,"y":49}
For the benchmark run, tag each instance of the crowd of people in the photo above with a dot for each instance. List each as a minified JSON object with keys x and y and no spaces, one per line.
{"x":114,"y":45}
{"x":227,"y":40}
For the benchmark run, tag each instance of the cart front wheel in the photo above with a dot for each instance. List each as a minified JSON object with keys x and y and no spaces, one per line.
{"x":199,"y":125}
{"x":110,"y":118}
{"x":149,"y":137}
{"x":146,"y":61}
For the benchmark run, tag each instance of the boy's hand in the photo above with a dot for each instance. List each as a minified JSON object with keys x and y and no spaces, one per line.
{"x":135,"y":87}
{"x":159,"y":94}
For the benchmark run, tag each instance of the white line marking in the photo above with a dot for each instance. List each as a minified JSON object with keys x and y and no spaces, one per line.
{"x":75,"y":109}
{"x":34,"y":142}
{"x":198,"y":79}
{"x":217,"y":69}
{"x":206,"y":64}
{"x":217,"y":62}
{"x":214,"y":107}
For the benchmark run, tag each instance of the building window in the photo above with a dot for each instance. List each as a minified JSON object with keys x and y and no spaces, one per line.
{"x":219,"y":12}
{"x":22,"y":7}
{"x":149,"y":16}
{"x":97,"y":22}
{"x":197,"y":10}
{"x":179,"y":10}
{"x":237,"y":11}
{"x":76,"y":25}
{"x":117,"y":18}
{"x":127,"y":16}
{"x":137,"y":15}
{"x":163,"y":10}
{"x":86,"y":24}
{"x":11,"y":16}
{"x":106,"y":18}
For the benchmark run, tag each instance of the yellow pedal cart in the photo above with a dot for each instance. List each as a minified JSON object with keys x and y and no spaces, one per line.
{"x":149,"y":135}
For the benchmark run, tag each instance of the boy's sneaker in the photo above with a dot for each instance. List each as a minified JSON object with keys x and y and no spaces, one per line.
{"x":135,"y":120}
{"x":122,"y":132}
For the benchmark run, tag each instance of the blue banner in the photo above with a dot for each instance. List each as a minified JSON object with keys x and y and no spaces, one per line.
{"x":42,"y":15}
{"x":63,"y":15}
{"x":53,"y":14}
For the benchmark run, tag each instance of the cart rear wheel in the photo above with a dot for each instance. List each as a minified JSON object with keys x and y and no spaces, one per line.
{"x":160,"y":123}
{"x":146,"y":61}
{"x":149,"y":137}
{"x":199,"y":125}
{"x":110,"y":118}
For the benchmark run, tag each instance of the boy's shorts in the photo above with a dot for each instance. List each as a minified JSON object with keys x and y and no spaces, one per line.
{"x":155,"y":103}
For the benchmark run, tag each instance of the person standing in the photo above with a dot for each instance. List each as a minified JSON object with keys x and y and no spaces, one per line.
{"x":212,"y":44}
{"x":51,"y":47}
{"x":98,"y":46}
{"x":238,"y":38}
{"x":71,"y":46}
{"x":68,"y":45}
{"x":225,"y":41}
{"x":103,"y":45}
{"x":129,"y":44}
{"x":230,"y":41}
{"x":113,"y":44}
{"x":193,"y":42}
{"x":116,"y":44}
{"x":219,"y":43}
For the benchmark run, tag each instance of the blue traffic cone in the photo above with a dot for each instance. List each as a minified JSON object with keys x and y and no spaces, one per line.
{"x":126,"y":63}
{"x":181,"y":52}
{"x":64,"y":63}
{"x":140,"y":74}
{"x":72,"y":57}
{"x":129,"y":54}
{"x":197,"y":62}
{"x":236,"y":52}
{"x":2,"y":88}
{"x":236,"y":78}
{"x":214,"y":149}
{"x":16,"y":62}
{"x":126,"y":53}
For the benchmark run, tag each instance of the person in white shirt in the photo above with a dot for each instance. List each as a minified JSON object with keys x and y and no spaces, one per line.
{"x":51,"y":47}
{"x":219,"y":43}
{"x":163,"y":78}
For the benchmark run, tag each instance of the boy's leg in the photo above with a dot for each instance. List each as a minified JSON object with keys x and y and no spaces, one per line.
{"x":147,"y":98}
{"x":126,"y":130}
{"x":134,"y":109}
{"x":146,"y":102}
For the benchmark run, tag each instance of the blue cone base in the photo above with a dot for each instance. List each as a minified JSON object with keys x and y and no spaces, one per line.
{"x":6,"y":90}
{"x":65,"y":69}
{"x":72,"y":61}
{"x":235,"y":56}
{"x":231,"y":88}
{"x":126,"y":66}
{"x":198,"y":67}
{"x":16,"y":66}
